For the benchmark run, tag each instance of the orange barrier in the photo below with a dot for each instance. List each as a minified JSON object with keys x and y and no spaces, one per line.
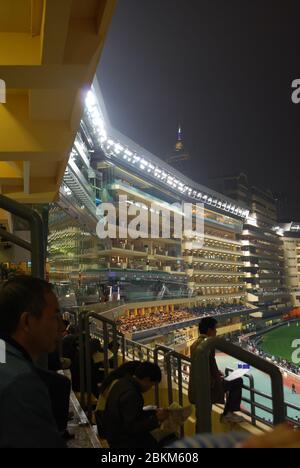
{"x":293,"y":314}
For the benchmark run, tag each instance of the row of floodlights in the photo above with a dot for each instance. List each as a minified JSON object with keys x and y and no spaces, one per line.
{"x":118,"y":150}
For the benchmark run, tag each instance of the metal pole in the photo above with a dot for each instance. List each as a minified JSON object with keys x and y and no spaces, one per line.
{"x":180,"y":389}
{"x":88,"y":363}
{"x":15,"y":240}
{"x":36,"y":230}
{"x":169,"y":364}
{"x":200,"y":389}
{"x":82,"y":360}
{"x":200,"y":380}
{"x":115,"y":347}
{"x":105,"y":348}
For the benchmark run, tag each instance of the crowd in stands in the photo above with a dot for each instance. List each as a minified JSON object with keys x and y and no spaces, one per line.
{"x":253,"y":347}
{"x":206,"y":311}
{"x":271,"y":291}
{"x":34,"y":401}
{"x":151,"y":320}
{"x":137,"y":323}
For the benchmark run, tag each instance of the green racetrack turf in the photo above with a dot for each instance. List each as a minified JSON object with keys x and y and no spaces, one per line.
{"x":279,"y":342}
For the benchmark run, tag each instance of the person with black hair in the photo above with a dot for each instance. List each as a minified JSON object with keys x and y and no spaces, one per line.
{"x":219,"y":386}
{"x":125,"y":370}
{"x":126,"y":425}
{"x":30,"y":327}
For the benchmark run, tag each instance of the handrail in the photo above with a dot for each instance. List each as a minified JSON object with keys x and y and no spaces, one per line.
{"x":178,"y":358}
{"x":86,"y":345}
{"x":253,"y":393}
{"x":172,"y":364}
{"x":36,"y":246}
{"x":165,"y":350}
{"x":15,"y":240}
{"x":200,"y":380}
{"x":140,"y":347}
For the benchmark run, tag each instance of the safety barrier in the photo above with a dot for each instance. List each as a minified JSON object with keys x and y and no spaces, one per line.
{"x":200,"y":380}
{"x":177,"y":368}
{"x":36,"y":246}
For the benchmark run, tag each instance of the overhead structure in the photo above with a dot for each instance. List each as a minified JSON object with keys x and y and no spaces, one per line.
{"x":49,"y":52}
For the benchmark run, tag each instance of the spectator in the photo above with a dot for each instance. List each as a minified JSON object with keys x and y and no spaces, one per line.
{"x":219,"y":386}
{"x":30,"y":327}
{"x":125,"y":370}
{"x":70,"y":349}
{"x":59,"y":389}
{"x":59,"y":386}
{"x":57,"y":362}
{"x":126,"y":424}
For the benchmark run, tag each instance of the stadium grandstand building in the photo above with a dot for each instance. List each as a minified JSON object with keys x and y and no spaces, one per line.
{"x":128,"y":288}
{"x":263,"y":248}
{"x":291,"y":241}
{"x":234,"y":271}
{"x":177,"y":272}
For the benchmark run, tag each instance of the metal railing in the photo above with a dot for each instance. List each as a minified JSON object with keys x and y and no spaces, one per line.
{"x":108,"y":329}
{"x":200,"y":380}
{"x":36,"y":245}
{"x":254,"y":405}
{"x":286,"y":365}
{"x":251,"y":401}
{"x":177,"y":369}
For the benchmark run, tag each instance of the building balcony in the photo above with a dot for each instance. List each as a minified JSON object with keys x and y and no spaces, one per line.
{"x":207,"y":248}
{"x":222,"y":239}
{"x":195,"y":260}
{"x":217,"y":284}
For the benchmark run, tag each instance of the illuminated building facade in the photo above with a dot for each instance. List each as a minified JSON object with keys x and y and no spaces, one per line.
{"x":105,"y":165}
{"x":291,"y":241}
{"x":262,"y":247}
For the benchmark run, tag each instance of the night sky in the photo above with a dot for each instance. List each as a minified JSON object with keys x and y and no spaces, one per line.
{"x":224,"y":69}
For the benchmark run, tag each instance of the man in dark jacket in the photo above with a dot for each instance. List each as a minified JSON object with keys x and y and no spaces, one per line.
{"x":219,"y":386}
{"x":126,"y":425}
{"x":29,"y":328}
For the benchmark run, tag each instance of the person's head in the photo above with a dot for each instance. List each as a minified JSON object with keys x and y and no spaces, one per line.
{"x":208,"y":327}
{"x":147,"y":374}
{"x":125,"y":370}
{"x":29,"y":313}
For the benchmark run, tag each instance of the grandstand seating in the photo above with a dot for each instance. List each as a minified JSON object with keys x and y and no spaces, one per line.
{"x":150,"y":320}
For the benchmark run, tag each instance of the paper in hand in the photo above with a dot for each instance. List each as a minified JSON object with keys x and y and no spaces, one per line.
{"x":238,"y":374}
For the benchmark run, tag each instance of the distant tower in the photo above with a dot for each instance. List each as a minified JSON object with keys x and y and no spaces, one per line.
{"x":179,"y":154}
